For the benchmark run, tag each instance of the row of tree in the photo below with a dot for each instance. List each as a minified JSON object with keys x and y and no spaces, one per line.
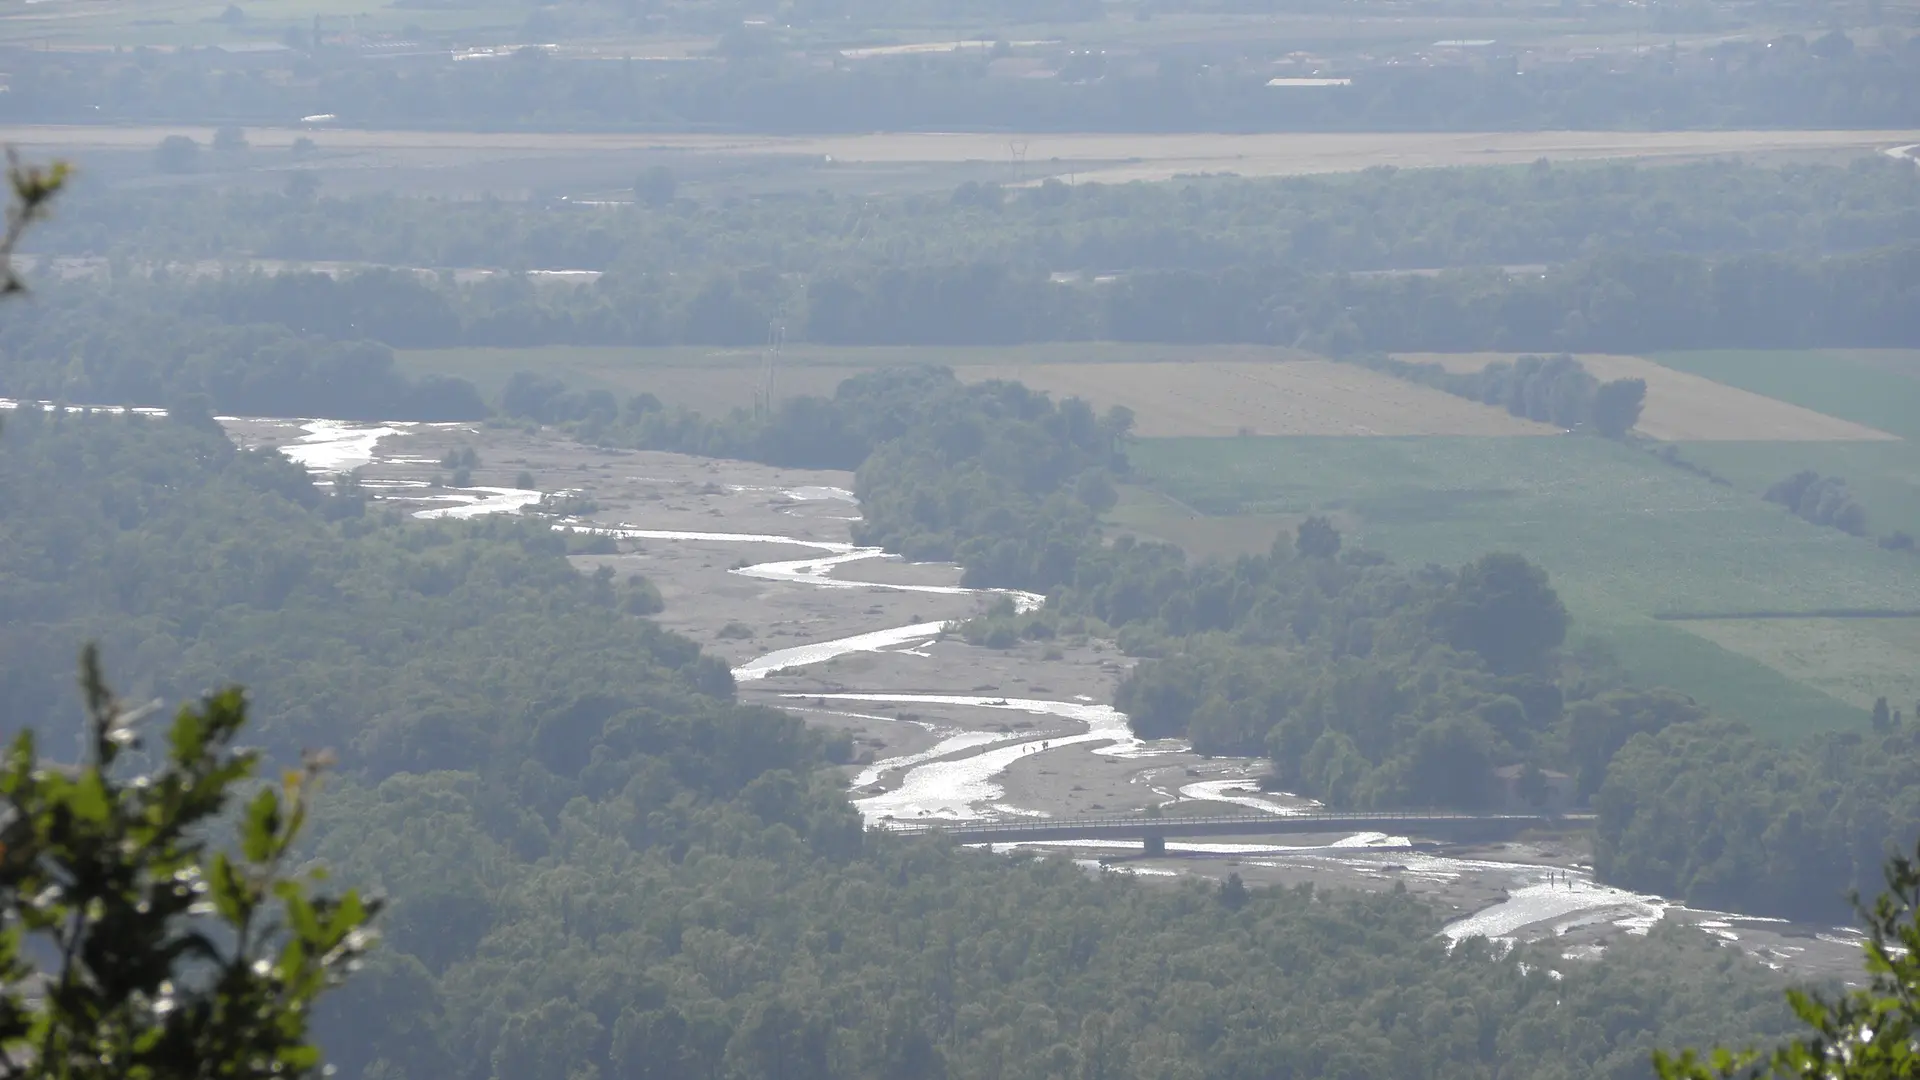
{"x":1375,"y":220}
{"x":1608,"y":303}
{"x":1554,"y":390}
{"x":1823,"y":500}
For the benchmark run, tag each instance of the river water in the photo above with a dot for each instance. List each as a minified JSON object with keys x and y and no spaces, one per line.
{"x":958,"y":778}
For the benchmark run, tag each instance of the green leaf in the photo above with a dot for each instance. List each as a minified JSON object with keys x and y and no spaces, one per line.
{"x":87,"y":798}
{"x":229,"y":893}
{"x":260,"y":838}
{"x":188,"y":737}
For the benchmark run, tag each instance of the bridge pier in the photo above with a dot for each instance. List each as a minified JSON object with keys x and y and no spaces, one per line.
{"x":1156,"y":845}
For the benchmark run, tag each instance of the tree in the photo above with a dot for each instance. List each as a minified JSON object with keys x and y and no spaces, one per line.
{"x":1870,"y":1033}
{"x":176,"y":154}
{"x":169,"y":958}
{"x":1617,"y":405}
{"x":656,"y":186}
{"x":34,"y":187}
{"x":303,"y":185}
{"x":1117,"y":422}
{"x":1233,"y":893}
{"x":229,"y":139}
{"x":1317,"y":539}
{"x":1503,"y":608}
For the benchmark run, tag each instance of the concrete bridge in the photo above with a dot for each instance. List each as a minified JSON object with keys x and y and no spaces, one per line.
{"x":1154,"y":832}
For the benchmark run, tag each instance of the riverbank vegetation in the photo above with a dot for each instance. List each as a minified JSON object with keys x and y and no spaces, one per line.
{"x":646,"y":877}
{"x":1363,"y":683}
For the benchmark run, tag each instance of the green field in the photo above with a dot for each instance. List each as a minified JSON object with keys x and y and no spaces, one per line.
{"x":1625,"y":537}
{"x":1877,"y":387}
{"x":1884,"y":476}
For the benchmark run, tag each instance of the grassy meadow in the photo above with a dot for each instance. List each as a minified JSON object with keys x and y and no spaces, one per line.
{"x":1626,"y":538}
{"x":1877,"y":387}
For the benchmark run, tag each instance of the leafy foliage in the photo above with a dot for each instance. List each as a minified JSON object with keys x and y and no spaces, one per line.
{"x":141,"y":349}
{"x":992,"y":475}
{"x":193,"y":563}
{"x":174,"y":959}
{"x":1868,"y":1033}
{"x":1716,"y":815}
{"x":1736,"y":256}
{"x":1555,"y":390}
{"x":1823,"y":500}
{"x":1379,"y":219}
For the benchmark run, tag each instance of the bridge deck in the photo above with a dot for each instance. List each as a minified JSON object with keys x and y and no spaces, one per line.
{"x":1437,"y":825}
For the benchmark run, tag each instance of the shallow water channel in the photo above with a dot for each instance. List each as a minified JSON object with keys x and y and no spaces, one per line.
{"x":958,"y":778}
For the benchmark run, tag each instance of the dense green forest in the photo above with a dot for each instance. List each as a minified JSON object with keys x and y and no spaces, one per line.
{"x":1380,"y":219}
{"x":757,"y":84}
{"x":81,"y":346}
{"x":1366,"y":685}
{"x":1620,"y":303}
{"x":1713,"y":812}
{"x":600,"y":864}
{"x":1722,"y":255}
{"x":194,"y":564}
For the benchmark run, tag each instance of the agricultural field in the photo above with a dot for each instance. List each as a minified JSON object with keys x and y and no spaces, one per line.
{"x":1625,"y":536}
{"x":1878,"y":387}
{"x":1683,"y":406}
{"x":716,"y":380}
{"x":1174,"y":390}
{"x":1303,"y":397}
{"x":1855,"y":660}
